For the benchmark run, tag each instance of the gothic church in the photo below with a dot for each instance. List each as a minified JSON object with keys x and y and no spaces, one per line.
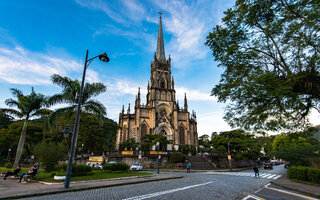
{"x":161,"y":114}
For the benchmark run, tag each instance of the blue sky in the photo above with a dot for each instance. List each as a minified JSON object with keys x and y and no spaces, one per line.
{"x":39,"y":38}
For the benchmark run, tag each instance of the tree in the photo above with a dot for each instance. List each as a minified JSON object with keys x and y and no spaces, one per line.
{"x":130,"y":144}
{"x":242,"y":145}
{"x":270,"y":54}
{"x":147,"y":141}
{"x":49,"y":154}
{"x":28,"y":106}
{"x":5,"y":120}
{"x":70,"y":96}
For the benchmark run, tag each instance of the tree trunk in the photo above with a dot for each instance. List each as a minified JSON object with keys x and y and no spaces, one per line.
{"x":21,"y":143}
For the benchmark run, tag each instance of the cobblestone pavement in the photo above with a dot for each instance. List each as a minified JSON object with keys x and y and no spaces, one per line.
{"x":192,"y":186}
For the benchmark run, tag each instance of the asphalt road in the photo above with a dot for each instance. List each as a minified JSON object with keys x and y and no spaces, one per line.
{"x":206,"y":185}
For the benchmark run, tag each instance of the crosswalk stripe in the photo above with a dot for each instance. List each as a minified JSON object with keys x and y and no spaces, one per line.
{"x":270,"y":177}
{"x":277,"y":177}
{"x":248,"y":174}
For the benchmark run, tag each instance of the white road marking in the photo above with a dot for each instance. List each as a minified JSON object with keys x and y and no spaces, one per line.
{"x":272,"y":176}
{"x":291,"y":193}
{"x":147,"y":196}
{"x":277,"y":177}
{"x":251,"y":196}
{"x":262,"y":175}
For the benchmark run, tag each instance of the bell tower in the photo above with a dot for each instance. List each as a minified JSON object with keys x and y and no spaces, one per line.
{"x":161,"y":81}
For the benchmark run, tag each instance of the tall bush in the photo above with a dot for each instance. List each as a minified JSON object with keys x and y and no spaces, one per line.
{"x":176,"y":157}
{"x":49,"y":154}
{"x":304,"y":174}
{"x":116,"y":167}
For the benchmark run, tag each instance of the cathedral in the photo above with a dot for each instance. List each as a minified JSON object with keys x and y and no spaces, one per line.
{"x":161,"y":114}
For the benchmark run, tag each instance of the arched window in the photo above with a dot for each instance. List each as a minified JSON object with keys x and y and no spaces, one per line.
{"x":181,"y":135}
{"x":124,"y":134}
{"x":163,"y":84}
{"x":163,"y":132}
{"x":143,"y":130}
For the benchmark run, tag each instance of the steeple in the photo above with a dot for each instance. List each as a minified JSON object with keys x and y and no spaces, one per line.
{"x":160,"y":44}
{"x":185,"y":102}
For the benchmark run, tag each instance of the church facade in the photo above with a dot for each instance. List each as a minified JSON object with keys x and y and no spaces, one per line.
{"x":162,"y":113}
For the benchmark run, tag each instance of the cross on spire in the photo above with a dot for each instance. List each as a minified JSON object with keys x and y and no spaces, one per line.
{"x":160,"y":43}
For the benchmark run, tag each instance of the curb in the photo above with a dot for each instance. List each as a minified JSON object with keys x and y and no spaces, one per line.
{"x":295,"y":189}
{"x":99,"y":180}
{"x":87,"y":188}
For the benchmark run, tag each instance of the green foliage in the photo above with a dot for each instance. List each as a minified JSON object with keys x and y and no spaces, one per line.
{"x":80,"y":170}
{"x":5,"y":120}
{"x":299,"y":155}
{"x":77,"y":170}
{"x":186,"y":149}
{"x":270,"y":54}
{"x":176,"y":157}
{"x":28,"y":106}
{"x":242,"y":145}
{"x":304,"y":174}
{"x":116,"y":167}
{"x":8,"y":165}
{"x":96,"y":135}
{"x":130,"y":144}
{"x":70,"y":95}
{"x":147,"y":141}
{"x":49,"y":154}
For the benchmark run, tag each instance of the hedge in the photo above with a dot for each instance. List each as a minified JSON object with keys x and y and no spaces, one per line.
{"x":77,"y":170}
{"x":304,"y":174}
{"x":116,"y":167}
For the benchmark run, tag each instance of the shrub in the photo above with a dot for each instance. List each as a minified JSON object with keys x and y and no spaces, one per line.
{"x":116,"y":167}
{"x":80,"y":170}
{"x":304,"y":173}
{"x":49,"y":154}
{"x":77,"y":170}
{"x":8,"y":165}
{"x":176,"y":157}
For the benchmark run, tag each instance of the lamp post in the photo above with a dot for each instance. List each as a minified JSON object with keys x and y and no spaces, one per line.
{"x":104,"y":58}
{"x":158,"y":145}
{"x":9,"y":151}
{"x":229,"y":154}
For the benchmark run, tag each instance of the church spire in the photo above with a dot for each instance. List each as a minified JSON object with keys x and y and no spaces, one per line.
{"x":160,"y":44}
{"x":185,"y":102}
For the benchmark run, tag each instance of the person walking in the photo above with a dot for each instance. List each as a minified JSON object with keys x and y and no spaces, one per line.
{"x":256,"y":171}
{"x":188,"y":167}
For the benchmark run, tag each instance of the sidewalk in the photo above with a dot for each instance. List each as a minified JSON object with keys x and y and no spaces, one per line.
{"x":286,"y":183}
{"x":10,"y":188}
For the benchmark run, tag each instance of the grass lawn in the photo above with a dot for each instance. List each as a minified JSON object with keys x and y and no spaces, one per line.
{"x":94,"y":175}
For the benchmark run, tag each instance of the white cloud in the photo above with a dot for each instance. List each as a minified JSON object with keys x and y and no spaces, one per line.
{"x":21,"y":66}
{"x":211,"y":122}
{"x":193,"y":95}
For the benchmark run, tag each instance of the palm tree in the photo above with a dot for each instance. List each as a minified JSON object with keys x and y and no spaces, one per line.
{"x":70,"y":96}
{"x":28,"y":106}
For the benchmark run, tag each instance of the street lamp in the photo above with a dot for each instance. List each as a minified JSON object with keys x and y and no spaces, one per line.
{"x":104,"y":58}
{"x":229,"y":154}
{"x":9,"y":151}
{"x":158,"y":146}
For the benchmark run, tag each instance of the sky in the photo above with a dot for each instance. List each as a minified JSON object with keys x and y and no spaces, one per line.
{"x":40,"y":38}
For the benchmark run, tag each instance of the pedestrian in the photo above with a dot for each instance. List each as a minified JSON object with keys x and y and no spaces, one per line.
{"x":256,"y":171}
{"x":188,"y":167}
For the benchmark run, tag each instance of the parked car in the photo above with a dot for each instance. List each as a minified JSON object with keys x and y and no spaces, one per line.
{"x":136,"y":167}
{"x":95,"y":165}
{"x":267,"y":166}
{"x":112,"y":162}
